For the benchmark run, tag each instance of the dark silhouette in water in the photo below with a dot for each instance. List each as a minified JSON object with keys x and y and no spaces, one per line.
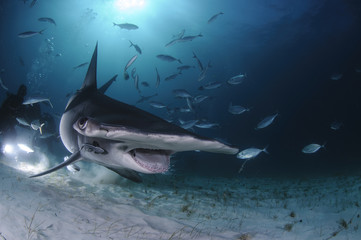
{"x":12,"y":108}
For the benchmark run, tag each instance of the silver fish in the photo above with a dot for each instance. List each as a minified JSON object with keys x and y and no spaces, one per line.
{"x":136,"y":82}
{"x":237,"y":109}
{"x":250,"y":153}
{"x":181,"y":93}
{"x":23,"y":122}
{"x":157,"y":104}
{"x":205,"y":124}
{"x":184,"y":67}
{"x":168,"y":58}
{"x":211,"y":85}
{"x":137,"y":48}
{"x":171,"y":77}
{"x":130,"y":62}
{"x":187,"y":124}
{"x":133,"y":73}
{"x":312,"y":148}
{"x":199,"y":62}
{"x":158,"y":78}
{"x":81,"y":65}
{"x":266,"y":121}
{"x":30,"y":34}
{"x":199,"y":99}
{"x":128,"y":26}
{"x":238,"y":79}
{"x":47,"y":19}
{"x":33,"y":100}
{"x":214,"y":17}
{"x":189,"y":38}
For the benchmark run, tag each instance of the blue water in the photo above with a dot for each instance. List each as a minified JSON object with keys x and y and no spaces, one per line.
{"x":288,"y":49}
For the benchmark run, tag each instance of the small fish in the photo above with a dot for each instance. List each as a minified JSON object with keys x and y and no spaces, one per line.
{"x":185,"y":110}
{"x":72,"y":167}
{"x":133,"y":72}
{"x":336,"y":125}
{"x":30,"y":34}
{"x":210,"y":85}
{"x":199,"y":99}
{"x":168,"y":58}
{"x":214,"y":17}
{"x":200,"y":66}
{"x":202,"y":75}
{"x":58,"y":55}
{"x":205,"y":124}
{"x":266,"y":121}
{"x":157,"y":104}
{"x":189,"y":38}
{"x":47,"y":19}
{"x":171,"y":43}
{"x":145,"y":98}
{"x":181,"y":93}
{"x":81,"y":65}
{"x":158,"y":78}
{"x":312,"y":148}
{"x":145,"y":84}
{"x":130,"y":62}
{"x":128,"y":26}
{"x":187,"y":124}
{"x":137,"y":48}
{"x":2,"y":85}
{"x":22,"y":121}
{"x":250,"y":153}
{"x":336,"y":76}
{"x":184,"y":67}
{"x":136,"y":82}
{"x":237,"y":109}
{"x":238,"y":79}
{"x":190,"y":104}
{"x":33,"y":100}
{"x":171,"y":77}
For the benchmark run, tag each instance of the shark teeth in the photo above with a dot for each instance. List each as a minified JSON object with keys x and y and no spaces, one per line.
{"x":154,"y":160}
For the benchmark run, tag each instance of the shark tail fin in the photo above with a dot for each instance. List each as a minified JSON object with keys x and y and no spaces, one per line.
{"x":74,"y":157}
{"x":90,"y":81}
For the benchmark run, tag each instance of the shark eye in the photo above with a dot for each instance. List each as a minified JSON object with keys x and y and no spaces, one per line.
{"x":82,"y":123}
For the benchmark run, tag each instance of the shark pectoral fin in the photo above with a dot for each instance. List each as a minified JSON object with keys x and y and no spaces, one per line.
{"x":127,"y":173}
{"x":74,"y":157}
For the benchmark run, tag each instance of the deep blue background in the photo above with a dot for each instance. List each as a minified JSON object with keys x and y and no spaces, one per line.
{"x":289,"y":50}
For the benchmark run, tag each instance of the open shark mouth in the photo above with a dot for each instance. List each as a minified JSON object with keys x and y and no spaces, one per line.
{"x":155,"y":161}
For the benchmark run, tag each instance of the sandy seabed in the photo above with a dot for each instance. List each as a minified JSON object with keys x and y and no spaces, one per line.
{"x":64,"y":205}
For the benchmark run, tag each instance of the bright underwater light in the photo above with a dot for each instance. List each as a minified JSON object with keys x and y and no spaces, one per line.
{"x":8,"y":149}
{"x":127,"y":4}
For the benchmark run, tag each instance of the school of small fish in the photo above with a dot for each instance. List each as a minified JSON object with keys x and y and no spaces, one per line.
{"x":193,"y":101}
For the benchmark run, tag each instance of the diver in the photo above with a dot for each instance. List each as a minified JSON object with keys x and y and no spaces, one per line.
{"x":10,"y":109}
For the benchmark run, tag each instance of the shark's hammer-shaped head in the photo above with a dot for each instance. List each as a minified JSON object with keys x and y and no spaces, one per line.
{"x":95,"y":145}
{"x":121,"y":137}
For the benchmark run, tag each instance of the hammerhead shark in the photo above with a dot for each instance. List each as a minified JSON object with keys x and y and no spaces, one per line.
{"x":121,"y":137}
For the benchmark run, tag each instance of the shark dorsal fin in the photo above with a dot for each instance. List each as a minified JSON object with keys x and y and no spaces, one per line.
{"x":90,"y":81}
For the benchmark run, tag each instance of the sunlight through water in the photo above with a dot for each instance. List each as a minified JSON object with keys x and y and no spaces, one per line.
{"x":127,"y":4}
